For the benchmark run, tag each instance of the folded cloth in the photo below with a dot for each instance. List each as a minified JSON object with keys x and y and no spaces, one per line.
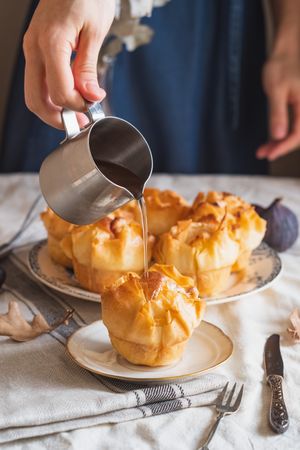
{"x":42,"y":391}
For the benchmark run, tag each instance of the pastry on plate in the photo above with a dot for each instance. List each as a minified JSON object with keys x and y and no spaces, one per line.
{"x":104,"y":251}
{"x":150,"y":318}
{"x":246,"y":226}
{"x":164,"y":209}
{"x":58,"y":230}
{"x":204,"y":251}
{"x":130,"y":211}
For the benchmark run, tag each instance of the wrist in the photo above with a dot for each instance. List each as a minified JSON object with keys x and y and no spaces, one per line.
{"x":285,"y":47}
{"x":286,"y":38}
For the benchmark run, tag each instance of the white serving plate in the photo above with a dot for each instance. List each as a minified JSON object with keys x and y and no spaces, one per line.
{"x":264,"y":267}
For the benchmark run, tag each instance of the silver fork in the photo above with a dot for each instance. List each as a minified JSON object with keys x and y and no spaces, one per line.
{"x":224,"y":408}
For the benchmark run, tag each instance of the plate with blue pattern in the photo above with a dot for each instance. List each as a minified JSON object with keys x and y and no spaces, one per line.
{"x":264,"y":267}
{"x":54,"y":275}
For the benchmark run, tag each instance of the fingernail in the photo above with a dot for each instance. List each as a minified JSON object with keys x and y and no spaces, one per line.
{"x":93,"y":87}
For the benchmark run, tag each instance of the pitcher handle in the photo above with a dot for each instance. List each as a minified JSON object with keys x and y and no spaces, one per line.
{"x":94,"y":112}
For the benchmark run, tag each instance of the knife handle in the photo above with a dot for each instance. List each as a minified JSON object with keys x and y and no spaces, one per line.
{"x":278,"y":417}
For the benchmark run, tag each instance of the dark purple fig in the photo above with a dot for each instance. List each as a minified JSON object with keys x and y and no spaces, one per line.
{"x":2,"y":277}
{"x":282,"y":225}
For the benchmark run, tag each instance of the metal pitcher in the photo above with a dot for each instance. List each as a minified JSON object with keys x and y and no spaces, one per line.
{"x":71,"y":179}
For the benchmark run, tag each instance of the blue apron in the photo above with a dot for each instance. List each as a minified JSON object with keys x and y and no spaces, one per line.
{"x":194,"y":92}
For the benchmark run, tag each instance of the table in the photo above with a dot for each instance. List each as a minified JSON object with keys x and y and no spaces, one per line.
{"x":248,"y":322}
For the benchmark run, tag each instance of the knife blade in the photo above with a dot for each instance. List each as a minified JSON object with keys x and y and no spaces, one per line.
{"x":278,"y":416}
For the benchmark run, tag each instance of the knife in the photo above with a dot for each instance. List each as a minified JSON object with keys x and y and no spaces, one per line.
{"x":278,"y":416}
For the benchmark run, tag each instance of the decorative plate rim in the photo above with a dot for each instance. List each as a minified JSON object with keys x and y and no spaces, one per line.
{"x":149,"y":379}
{"x":84,"y":294}
{"x":277,"y":270}
{"x":64,"y":288}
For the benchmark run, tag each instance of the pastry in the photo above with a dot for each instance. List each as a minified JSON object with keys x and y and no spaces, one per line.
{"x":104,"y":251}
{"x":164,"y":209}
{"x":58,"y":229}
{"x":246,"y":226}
{"x":150,"y":318}
{"x":130,"y":211}
{"x":205,"y":251}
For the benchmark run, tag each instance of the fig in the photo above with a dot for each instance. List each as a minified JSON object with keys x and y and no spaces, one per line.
{"x":2,"y":276}
{"x":282,"y":225}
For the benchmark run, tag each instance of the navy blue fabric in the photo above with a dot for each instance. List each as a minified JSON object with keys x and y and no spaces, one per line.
{"x":194,"y":92}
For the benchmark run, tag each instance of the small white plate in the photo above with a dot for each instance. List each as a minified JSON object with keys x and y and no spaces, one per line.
{"x":91,"y":349}
{"x":264,"y":267}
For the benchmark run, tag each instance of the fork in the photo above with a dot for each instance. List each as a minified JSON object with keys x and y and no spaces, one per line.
{"x":28,"y":220}
{"x":223,"y":409}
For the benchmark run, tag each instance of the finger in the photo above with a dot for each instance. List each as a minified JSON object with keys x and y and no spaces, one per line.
{"x":85,"y":66}
{"x":287,"y":146}
{"x":278,"y":114}
{"x":263,"y":151}
{"x":36,"y":93}
{"x":60,"y":78}
{"x":291,"y":142}
{"x":82,"y":120}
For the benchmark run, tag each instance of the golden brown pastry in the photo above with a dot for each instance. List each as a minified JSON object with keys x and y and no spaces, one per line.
{"x":151,"y":318}
{"x":247,"y":227}
{"x":130,"y":211}
{"x":58,"y":229}
{"x":104,"y":251}
{"x":203,"y":251}
{"x":164,"y":209}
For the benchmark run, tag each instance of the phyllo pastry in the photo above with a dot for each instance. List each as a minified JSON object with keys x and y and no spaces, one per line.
{"x":150,"y":318}
{"x":164,"y":209}
{"x":104,"y":251}
{"x":58,"y":229}
{"x":203,"y":251}
{"x":246,"y":226}
{"x":130,"y":211}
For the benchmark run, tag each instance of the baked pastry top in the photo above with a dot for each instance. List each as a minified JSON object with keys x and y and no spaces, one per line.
{"x":196,"y":246}
{"x":104,"y":251}
{"x":246,"y":226}
{"x":55,"y":226}
{"x":164,"y":209}
{"x":110,"y":243}
{"x":58,"y":231}
{"x":151,"y":317}
{"x":204,"y":251}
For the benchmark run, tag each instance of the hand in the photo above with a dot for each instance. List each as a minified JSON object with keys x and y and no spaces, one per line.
{"x":58,"y":28}
{"x":281,"y":81}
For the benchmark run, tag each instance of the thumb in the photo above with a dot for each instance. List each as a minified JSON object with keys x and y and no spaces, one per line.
{"x":85,"y":68}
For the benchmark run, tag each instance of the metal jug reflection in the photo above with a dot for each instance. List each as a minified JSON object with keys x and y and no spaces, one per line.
{"x":97,"y":169}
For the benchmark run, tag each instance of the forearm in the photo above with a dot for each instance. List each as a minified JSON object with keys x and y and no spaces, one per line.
{"x":286,"y":15}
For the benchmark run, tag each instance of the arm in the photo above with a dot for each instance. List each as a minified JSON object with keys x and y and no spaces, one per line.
{"x":58,"y":28}
{"x":281,"y":81}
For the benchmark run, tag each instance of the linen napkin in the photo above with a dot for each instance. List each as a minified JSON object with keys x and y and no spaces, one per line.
{"x":42,"y":391}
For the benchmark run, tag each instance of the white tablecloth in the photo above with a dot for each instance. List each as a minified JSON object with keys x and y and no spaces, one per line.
{"x":248,"y":322}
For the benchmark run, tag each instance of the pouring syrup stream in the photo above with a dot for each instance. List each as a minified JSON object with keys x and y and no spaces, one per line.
{"x":124,"y":177}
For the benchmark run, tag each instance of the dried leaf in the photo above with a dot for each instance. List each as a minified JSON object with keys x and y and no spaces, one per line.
{"x":15,"y":326}
{"x":295,"y":321}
